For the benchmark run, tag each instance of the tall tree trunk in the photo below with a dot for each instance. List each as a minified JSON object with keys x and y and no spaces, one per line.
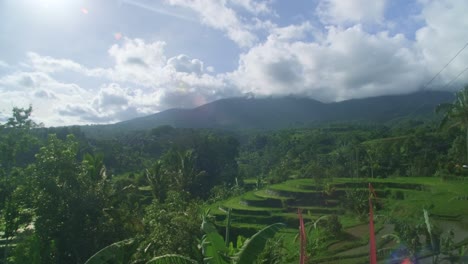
{"x":467,"y":144}
{"x":228,"y":227}
{"x":302,"y":234}
{"x":372,"y":244}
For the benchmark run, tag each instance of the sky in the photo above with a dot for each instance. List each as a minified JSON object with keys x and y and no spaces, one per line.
{"x":103,"y":61}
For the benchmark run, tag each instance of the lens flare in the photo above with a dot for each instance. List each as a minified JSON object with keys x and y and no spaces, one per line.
{"x":406,"y":261}
{"x":118,"y":36}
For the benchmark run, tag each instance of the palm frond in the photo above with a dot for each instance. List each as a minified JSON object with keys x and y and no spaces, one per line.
{"x":255,"y":245}
{"x":118,"y":253}
{"x":171,"y":259}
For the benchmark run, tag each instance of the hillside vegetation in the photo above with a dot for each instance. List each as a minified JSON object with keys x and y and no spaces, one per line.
{"x":187,"y":195}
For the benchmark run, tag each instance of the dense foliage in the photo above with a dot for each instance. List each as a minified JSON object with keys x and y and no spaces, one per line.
{"x":63,"y":196}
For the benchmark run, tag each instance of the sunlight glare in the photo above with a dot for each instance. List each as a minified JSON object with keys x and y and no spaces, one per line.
{"x":55,"y":4}
{"x":54,"y":11}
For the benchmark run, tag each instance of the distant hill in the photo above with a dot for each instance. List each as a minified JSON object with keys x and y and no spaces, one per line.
{"x":284,"y":112}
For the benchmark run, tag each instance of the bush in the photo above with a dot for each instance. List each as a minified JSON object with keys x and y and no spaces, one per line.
{"x":333,"y":226}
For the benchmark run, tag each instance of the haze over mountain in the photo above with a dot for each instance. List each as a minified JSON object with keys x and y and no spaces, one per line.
{"x":285,"y":112}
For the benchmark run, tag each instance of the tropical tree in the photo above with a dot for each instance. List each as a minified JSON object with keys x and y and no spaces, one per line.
{"x":17,"y":145}
{"x":182,"y":170}
{"x":456,"y":113}
{"x":355,"y":201}
{"x":157,"y":178}
{"x":69,"y":198}
{"x":172,"y":227}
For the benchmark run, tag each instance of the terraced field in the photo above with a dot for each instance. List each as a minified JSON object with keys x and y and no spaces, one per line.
{"x":397,"y":197}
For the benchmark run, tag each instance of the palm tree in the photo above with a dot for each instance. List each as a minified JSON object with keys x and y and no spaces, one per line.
{"x":156,"y":177}
{"x":456,"y":113}
{"x":186,"y":176}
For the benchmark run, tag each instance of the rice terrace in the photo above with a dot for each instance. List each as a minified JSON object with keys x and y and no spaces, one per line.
{"x":400,"y":199}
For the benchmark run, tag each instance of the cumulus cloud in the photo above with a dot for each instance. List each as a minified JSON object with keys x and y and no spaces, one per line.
{"x":4,"y":117}
{"x":255,"y":7}
{"x":139,"y":62}
{"x":348,"y":63}
{"x":136,"y":51}
{"x":111,"y":96}
{"x":4,"y":64}
{"x":141,"y":81}
{"x":45,"y":93}
{"x":47,"y":64}
{"x":443,"y":35}
{"x":110,"y":104}
{"x":351,"y":11}
{"x":177,"y":75}
{"x":183,"y":63}
{"x":75,"y":110}
{"x":217,"y":14}
{"x":32,"y":81}
{"x":293,"y":32}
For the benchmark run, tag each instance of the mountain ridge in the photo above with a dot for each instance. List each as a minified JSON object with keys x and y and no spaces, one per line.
{"x":273,"y":113}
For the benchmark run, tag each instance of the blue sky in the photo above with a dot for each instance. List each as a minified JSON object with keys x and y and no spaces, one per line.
{"x":104,"y":61}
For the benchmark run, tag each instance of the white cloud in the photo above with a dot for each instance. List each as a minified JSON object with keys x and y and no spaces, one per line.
{"x":137,"y":52}
{"x":292,"y":32}
{"x":348,"y":63}
{"x":47,"y":64}
{"x":442,"y":37}
{"x":183,"y":63}
{"x":139,"y":62}
{"x":145,"y":64}
{"x":255,"y":7}
{"x":4,"y":64}
{"x":111,"y":104}
{"x":46,"y":94}
{"x":31,"y":81}
{"x":141,"y":81}
{"x":111,"y":97}
{"x":216,"y":14}
{"x":339,"y":12}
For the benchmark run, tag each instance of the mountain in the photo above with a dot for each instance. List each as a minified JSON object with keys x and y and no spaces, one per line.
{"x":286,"y":112}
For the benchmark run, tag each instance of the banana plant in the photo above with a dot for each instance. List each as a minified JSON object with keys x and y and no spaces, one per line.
{"x":171,"y":259}
{"x":118,"y":253}
{"x":213,"y":248}
{"x":216,"y":252}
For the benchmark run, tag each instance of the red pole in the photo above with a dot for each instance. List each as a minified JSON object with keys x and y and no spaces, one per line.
{"x":302,"y":233}
{"x":373,"y":249}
